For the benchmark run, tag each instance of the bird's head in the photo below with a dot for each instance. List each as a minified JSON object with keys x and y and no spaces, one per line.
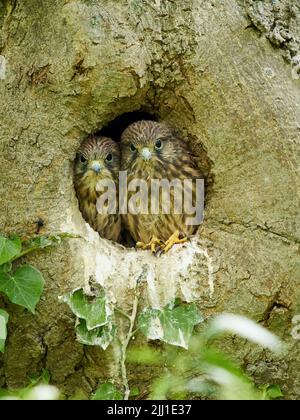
{"x":98,"y":158}
{"x":148,"y":145}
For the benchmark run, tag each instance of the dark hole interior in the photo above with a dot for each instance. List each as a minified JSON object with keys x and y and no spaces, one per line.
{"x":115,"y":128}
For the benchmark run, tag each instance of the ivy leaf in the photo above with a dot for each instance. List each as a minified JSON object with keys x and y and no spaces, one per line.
{"x":91,"y":309}
{"x":3,"y":330}
{"x":101,"y":336}
{"x":94,"y":325}
{"x":107,"y":391}
{"x":9,"y":248}
{"x":24,"y":287}
{"x":173,"y":325}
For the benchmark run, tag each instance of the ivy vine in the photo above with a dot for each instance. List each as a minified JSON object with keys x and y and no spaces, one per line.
{"x":22,"y":285}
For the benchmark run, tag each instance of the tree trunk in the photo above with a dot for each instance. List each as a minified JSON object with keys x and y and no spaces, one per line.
{"x":225,"y":74}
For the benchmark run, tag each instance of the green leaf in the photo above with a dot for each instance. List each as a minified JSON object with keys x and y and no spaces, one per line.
{"x":274,"y":391}
{"x":6,"y":268}
{"x":174,"y":325}
{"x":42,"y":242}
{"x":107,"y":391}
{"x":3,"y":330}
{"x":45,"y":376}
{"x":134,"y":392}
{"x":212,"y":357}
{"x":40,"y":378}
{"x":101,"y":336}
{"x":144,"y":355}
{"x":24,"y":287}
{"x":233,"y":383}
{"x":168,"y":386}
{"x":9,"y":248}
{"x":91,"y":309}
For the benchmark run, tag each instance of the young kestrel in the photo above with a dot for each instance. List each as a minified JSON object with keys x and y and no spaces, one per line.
{"x":97,"y":160}
{"x":151,"y":150}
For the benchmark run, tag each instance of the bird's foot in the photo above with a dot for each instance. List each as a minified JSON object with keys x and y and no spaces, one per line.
{"x":174,"y":239}
{"x":155,"y":244}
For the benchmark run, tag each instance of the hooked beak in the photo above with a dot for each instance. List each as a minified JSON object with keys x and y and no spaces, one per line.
{"x":96,"y":167}
{"x":146,"y":154}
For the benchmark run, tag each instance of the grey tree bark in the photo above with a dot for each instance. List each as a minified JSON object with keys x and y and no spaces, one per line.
{"x":225,"y":73}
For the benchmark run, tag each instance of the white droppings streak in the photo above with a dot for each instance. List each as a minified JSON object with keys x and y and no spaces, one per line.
{"x":117,"y":269}
{"x":104,"y":267}
{"x":210,"y":271}
{"x":2,"y":67}
{"x":152,"y":288}
{"x":157,"y":3}
{"x":182,"y":341}
{"x":184,"y":258}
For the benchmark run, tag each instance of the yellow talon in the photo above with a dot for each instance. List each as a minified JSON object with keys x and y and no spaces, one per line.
{"x":174,"y":239}
{"x":157,"y":246}
{"x":153,"y":244}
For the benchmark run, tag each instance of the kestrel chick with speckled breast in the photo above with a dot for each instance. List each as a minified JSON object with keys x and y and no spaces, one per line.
{"x":152,"y":150}
{"x":97,"y":160}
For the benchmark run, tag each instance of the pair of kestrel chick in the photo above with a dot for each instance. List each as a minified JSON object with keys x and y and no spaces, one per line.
{"x":148,"y":150}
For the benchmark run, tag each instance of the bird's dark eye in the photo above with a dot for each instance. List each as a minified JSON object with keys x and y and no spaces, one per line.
{"x":132,"y":148}
{"x":158,"y":144}
{"x":82,"y":159}
{"x":109,"y":157}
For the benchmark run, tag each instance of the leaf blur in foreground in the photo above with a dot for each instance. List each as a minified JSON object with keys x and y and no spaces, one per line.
{"x":246,"y":328}
{"x":107,"y":391}
{"x":3,"y":328}
{"x":173,"y":325}
{"x":205,"y":371}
